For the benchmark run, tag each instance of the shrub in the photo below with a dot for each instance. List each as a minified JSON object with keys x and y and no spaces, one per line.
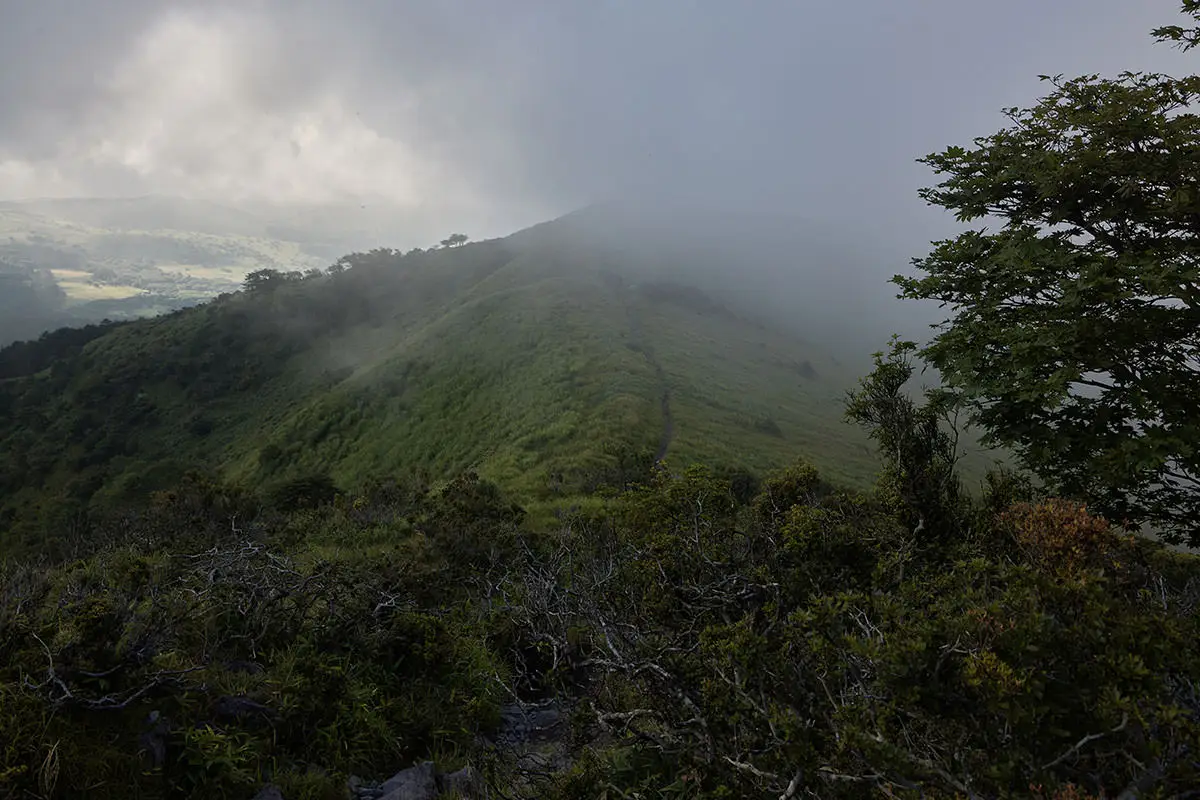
{"x":1059,"y":534}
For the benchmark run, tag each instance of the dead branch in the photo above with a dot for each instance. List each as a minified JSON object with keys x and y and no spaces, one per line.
{"x":1086,"y":740}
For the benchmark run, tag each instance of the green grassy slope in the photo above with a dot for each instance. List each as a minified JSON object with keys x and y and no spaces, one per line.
{"x":518,"y":383}
{"x":743,"y":394}
{"x":532,"y":360}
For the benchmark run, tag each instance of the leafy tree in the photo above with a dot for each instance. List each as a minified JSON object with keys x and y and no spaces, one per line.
{"x":1075,"y":335}
{"x":455,"y":240}
{"x":1185,"y":38}
{"x":377,"y":257}
{"x":32,"y":356}
{"x":262,"y":279}
{"x":919,"y":443}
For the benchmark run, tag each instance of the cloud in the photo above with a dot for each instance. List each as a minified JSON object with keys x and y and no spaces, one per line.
{"x":499,"y":114}
{"x":213,"y":105}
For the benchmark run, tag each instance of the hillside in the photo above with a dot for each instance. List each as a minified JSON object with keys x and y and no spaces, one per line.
{"x":546,"y":361}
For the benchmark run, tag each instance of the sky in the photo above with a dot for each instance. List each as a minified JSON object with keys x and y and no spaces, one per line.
{"x":488,"y":116}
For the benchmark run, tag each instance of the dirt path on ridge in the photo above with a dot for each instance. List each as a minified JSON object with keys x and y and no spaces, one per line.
{"x":637,"y":334}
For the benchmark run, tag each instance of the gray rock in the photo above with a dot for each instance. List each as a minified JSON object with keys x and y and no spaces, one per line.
{"x":269,"y":792}
{"x":414,"y":783}
{"x":463,"y":783}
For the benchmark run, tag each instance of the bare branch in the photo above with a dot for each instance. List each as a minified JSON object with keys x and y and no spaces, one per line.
{"x":1086,"y":740}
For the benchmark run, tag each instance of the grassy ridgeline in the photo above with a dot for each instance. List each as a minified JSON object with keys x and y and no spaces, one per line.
{"x":534,"y":361}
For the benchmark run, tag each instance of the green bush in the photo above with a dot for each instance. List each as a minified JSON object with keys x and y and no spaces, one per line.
{"x":712,"y":644}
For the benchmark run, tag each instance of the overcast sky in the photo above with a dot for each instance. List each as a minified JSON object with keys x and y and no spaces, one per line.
{"x":505,"y":112}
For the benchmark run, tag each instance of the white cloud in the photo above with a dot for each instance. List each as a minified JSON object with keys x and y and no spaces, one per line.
{"x":212,"y":106}
{"x":20,"y":179}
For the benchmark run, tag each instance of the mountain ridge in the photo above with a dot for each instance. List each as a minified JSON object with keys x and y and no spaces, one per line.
{"x":535,"y":359}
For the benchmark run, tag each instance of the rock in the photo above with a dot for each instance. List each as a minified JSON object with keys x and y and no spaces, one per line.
{"x":463,"y":783}
{"x":269,"y":792}
{"x":524,"y":724}
{"x":414,"y":783}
